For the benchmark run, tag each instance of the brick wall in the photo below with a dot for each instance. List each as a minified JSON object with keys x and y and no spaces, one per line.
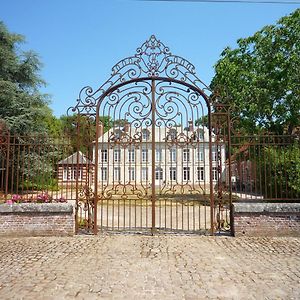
{"x":266,"y":219}
{"x":51,"y":219}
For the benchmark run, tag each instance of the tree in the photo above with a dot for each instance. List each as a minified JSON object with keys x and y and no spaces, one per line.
{"x":279,"y":169}
{"x":120,"y":122}
{"x":54,"y":125}
{"x":24,"y":111}
{"x":81,"y":130}
{"x":261,"y":77}
{"x":22,"y":107}
{"x":203,"y":121}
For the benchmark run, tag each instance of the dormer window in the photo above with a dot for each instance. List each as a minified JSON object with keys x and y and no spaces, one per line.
{"x":200,"y":134}
{"x":145,"y":134}
{"x":172,"y":134}
{"x":118,"y":133}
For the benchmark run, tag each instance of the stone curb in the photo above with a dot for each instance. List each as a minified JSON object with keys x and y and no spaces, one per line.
{"x":36,"y":208}
{"x":266,"y":207}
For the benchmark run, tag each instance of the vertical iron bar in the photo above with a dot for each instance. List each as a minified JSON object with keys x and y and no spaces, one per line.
{"x":7,"y":165}
{"x":96,"y":173}
{"x":275,"y":147}
{"x":211,"y":188}
{"x":76,"y":183}
{"x":13,"y":165}
{"x":17,"y":171}
{"x":153,"y":196}
{"x":230,"y":173}
{"x":260,"y":165}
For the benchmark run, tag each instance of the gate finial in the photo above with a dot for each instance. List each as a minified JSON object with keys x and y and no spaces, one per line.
{"x":152,"y":52}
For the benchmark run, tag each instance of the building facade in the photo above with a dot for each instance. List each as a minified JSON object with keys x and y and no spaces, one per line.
{"x":180,"y":157}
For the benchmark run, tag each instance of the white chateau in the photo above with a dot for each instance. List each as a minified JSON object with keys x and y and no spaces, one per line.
{"x":181,"y":156}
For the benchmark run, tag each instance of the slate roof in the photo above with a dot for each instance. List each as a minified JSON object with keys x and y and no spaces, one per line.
{"x":72,"y":160}
{"x":161,"y":133}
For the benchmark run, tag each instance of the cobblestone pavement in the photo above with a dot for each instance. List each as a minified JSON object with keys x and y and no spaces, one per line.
{"x":145,"y":267}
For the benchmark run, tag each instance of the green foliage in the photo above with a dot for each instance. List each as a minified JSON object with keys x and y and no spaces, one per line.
{"x":25,"y":112}
{"x":54,"y":126}
{"x":41,"y":183}
{"x":203,"y":121}
{"x":260,"y":80}
{"x":108,"y":123}
{"x":22,"y":106}
{"x":280,"y":171}
{"x":81,"y":130}
{"x":261,"y":77}
{"x":32,"y":162}
{"x":120,"y":122}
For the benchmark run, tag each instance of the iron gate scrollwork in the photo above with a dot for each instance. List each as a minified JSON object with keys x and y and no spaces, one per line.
{"x":158,"y":158}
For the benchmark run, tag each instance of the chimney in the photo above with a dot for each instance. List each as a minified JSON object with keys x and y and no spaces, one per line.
{"x":126,"y":127}
{"x":191,"y":126}
{"x":100,"y":129}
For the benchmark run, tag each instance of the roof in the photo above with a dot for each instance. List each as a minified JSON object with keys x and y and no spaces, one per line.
{"x":72,"y":159}
{"x":162,"y":134}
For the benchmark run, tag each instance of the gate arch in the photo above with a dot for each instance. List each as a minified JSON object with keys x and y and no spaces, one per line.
{"x":154,"y":164}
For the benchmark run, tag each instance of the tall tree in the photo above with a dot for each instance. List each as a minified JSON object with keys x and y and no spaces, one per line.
{"x":261,"y":77}
{"x":22,"y":106}
{"x":81,"y":130}
{"x":24,"y":111}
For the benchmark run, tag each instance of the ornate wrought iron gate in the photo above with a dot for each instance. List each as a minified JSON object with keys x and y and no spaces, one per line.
{"x":158,"y":157}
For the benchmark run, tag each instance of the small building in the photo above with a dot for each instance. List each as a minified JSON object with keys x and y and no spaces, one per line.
{"x":75,"y":167}
{"x":243,"y":170}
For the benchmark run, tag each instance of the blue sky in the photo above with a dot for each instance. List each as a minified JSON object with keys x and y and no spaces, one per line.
{"x":79,"y":41}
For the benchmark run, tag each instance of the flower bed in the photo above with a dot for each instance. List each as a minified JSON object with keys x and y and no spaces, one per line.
{"x":39,"y":198}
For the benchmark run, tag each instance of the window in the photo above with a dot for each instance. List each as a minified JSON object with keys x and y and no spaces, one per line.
{"x":144,"y":174}
{"x":200,"y":154}
{"x":200,"y":134}
{"x":104,"y":155}
{"x":173,"y":155}
{"x":74,"y":173}
{"x":65,"y":173}
{"x":117,"y":155}
{"x":117,"y":174}
{"x":104,"y":174}
{"x":144,"y":155}
{"x":173,"y":173}
{"x":248,"y":177}
{"x":158,"y":173}
{"x":145,"y":135}
{"x":186,"y":173}
{"x":215,"y":173}
{"x":214,"y":154}
{"x":131,"y":155}
{"x":70,"y":173}
{"x":186,"y":155}
{"x":242,"y":172}
{"x":200,"y":173}
{"x":158,"y":154}
{"x":131,"y":174}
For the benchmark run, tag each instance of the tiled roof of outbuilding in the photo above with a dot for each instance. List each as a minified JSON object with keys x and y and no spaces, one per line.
{"x":72,"y":159}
